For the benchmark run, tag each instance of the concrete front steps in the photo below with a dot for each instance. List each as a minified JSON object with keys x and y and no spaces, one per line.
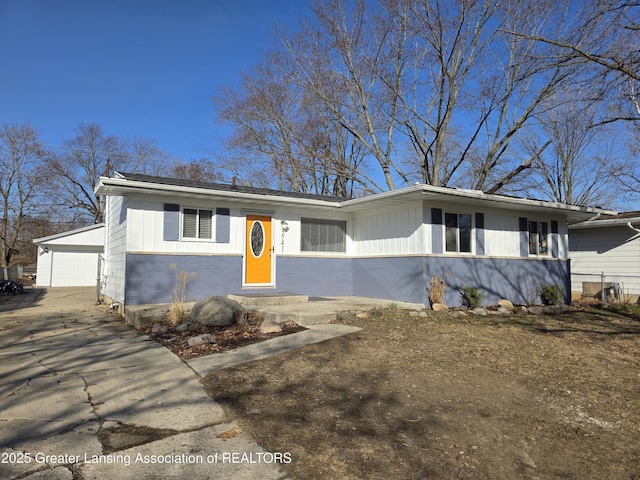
{"x":280,"y":307}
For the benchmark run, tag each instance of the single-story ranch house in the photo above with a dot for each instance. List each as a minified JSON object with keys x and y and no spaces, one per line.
{"x":389,"y":245}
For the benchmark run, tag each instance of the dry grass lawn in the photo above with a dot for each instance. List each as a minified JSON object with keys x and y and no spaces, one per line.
{"x":521,"y":396}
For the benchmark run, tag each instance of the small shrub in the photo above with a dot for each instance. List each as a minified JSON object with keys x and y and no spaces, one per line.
{"x":436,"y":292}
{"x":552,"y":294}
{"x":471,"y":297}
{"x":177,"y":311}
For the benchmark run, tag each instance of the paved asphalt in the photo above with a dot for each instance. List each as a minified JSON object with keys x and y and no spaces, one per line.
{"x":78,"y":387}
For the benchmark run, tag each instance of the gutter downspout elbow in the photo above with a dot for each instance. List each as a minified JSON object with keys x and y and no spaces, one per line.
{"x":632,"y":227}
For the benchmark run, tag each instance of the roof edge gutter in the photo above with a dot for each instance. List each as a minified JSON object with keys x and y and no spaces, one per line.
{"x":106,"y":184}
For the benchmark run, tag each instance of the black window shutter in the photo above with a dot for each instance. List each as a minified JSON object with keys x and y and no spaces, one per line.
{"x":524,"y":224}
{"x":436,"y":216}
{"x":554,"y":226}
{"x":171,"y":230}
{"x":524,"y":236}
{"x":437,"y":245}
{"x":480,"y":250}
{"x":223,"y":225}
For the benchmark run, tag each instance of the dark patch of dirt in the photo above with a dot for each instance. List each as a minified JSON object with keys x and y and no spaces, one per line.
{"x":127,"y":436}
{"x":447,"y":396}
{"x":228,"y":338}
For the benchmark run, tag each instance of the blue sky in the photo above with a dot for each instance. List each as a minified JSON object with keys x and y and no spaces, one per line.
{"x":137,"y":67}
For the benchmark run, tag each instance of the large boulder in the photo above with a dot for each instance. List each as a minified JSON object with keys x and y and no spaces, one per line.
{"x":216,"y":312}
{"x":506,"y":304}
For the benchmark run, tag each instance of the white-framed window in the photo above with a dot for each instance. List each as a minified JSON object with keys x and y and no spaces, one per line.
{"x":319,"y":235}
{"x":538,"y":238}
{"x":458,"y":227}
{"x":197,"y":223}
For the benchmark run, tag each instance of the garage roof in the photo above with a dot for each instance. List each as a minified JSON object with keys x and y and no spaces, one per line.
{"x":92,"y":235}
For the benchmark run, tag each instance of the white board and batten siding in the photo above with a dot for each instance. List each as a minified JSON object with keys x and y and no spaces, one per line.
{"x":113,"y":269}
{"x":70,"y":259}
{"x":148,"y":216}
{"x":390,"y":231}
{"x":148,"y":237}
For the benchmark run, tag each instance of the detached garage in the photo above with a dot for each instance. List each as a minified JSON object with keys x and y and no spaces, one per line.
{"x":70,"y":259}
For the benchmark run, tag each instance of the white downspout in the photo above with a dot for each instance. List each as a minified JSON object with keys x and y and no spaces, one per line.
{"x":632,"y":227}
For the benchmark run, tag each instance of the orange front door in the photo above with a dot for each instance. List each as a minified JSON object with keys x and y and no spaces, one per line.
{"x":258,"y":250}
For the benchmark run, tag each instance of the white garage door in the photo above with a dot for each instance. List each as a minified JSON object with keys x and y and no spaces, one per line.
{"x":74,"y":269}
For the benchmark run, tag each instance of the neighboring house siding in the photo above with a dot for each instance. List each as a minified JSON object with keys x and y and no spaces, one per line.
{"x":113,"y":278}
{"x":613,"y":250}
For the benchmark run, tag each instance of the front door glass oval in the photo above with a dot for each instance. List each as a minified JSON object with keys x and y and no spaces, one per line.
{"x":257,"y":239}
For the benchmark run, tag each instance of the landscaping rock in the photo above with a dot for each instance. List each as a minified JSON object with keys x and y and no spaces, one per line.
{"x":520,"y":309}
{"x":439,"y":307}
{"x":216,"y":311}
{"x":269,"y":326}
{"x":505,"y":310}
{"x":158,"y":328}
{"x":480,"y":311}
{"x":554,"y":309}
{"x":183,"y":327}
{"x":506,"y":304}
{"x":536,"y":310}
{"x":201,"y":340}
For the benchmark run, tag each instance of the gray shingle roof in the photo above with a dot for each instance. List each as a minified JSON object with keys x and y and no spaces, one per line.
{"x":224,"y":187}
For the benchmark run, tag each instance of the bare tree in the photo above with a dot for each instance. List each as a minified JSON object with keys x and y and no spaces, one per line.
{"x":21,"y":156}
{"x":85,"y":157}
{"x":90,"y":154}
{"x":444,"y":92}
{"x":605,"y":35}
{"x":282,"y":132}
{"x":203,"y":170}
{"x":442,"y":75}
{"x":147,"y":158}
{"x":579,"y":166}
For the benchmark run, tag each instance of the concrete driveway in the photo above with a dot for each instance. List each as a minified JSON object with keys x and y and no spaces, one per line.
{"x":83,"y":396}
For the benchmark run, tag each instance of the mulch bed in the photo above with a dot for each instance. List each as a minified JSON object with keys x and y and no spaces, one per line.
{"x":228,"y":338}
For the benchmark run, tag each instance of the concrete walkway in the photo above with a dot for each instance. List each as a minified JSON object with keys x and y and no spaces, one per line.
{"x":78,"y":388}
{"x":314,"y":334}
